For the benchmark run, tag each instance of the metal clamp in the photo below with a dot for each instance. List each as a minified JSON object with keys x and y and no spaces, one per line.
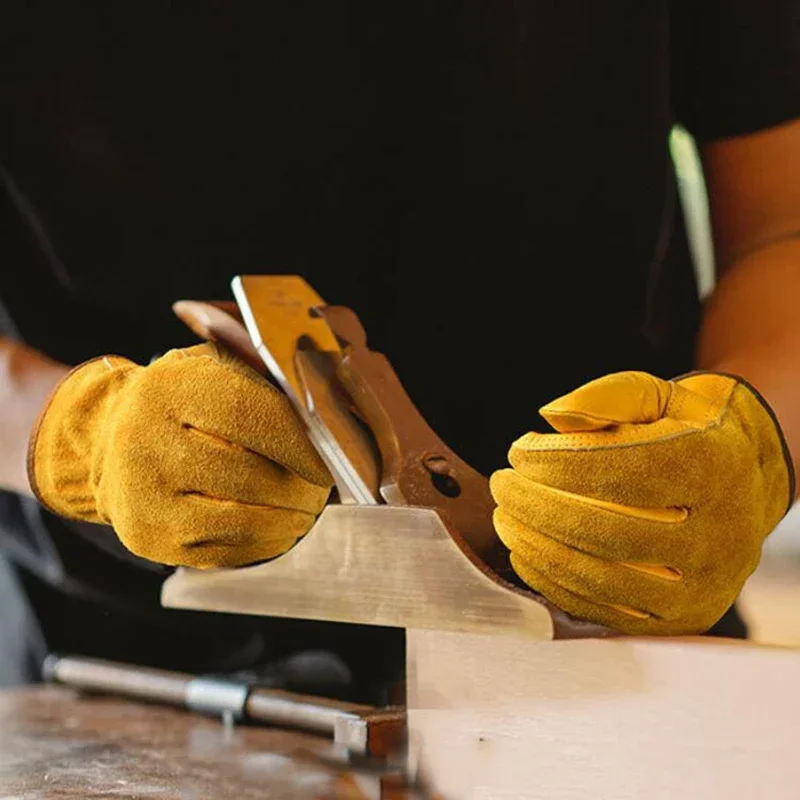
{"x":218,"y":697}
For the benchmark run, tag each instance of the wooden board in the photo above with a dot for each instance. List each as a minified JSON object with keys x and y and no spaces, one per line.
{"x":625,"y":719}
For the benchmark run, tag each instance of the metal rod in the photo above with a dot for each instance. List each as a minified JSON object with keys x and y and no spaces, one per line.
{"x":360,"y":728}
{"x":97,"y":675}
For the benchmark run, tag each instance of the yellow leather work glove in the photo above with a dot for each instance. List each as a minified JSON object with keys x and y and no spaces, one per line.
{"x":647,"y":510}
{"x":195,"y":460}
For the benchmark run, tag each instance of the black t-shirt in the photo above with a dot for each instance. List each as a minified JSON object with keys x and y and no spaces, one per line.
{"x":487,"y":184}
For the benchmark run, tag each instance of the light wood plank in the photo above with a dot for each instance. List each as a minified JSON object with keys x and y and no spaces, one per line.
{"x":625,"y":718}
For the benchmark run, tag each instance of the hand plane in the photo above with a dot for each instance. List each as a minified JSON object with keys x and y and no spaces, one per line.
{"x":410,"y":542}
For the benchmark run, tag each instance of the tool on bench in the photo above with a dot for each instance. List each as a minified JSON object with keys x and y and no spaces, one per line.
{"x":358,"y":730}
{"x":411,"y":541}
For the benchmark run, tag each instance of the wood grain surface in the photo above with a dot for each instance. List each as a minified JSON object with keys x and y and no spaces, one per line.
{"x":697,"y":718}
{"x":55,"y":744}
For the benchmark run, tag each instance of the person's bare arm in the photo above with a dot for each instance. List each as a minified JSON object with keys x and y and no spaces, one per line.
{"x":26,"y":380}
{"x":751,"y":325}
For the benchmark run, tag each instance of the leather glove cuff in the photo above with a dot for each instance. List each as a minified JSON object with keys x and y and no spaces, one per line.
{"x":64,"y":453}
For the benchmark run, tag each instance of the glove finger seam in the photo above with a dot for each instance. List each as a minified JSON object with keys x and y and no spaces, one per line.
{"x":621,"y":608}
{"x":609,"y":506}
{"x":605,"y":560}
{"x":223,"y":441}
{"x":193,"y":494}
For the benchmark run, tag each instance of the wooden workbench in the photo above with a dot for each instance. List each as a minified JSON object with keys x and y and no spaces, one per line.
{"x":55,"y":744}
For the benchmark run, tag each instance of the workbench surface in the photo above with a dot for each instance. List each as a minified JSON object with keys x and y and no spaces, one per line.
{"x":56,"y":744}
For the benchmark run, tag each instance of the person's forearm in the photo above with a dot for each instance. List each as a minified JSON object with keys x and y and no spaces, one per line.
{"x":27,"y":379}
{"x":751,"y":328}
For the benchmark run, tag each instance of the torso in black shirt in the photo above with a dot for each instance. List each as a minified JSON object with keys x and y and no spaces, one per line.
{"x":487,"y":184}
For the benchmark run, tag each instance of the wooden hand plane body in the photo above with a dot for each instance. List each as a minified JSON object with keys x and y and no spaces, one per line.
{"x":411,"y":542}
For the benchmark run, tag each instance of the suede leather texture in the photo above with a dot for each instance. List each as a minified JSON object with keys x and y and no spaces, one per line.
{"x":195,"y":460}
{"x":647,"y":509}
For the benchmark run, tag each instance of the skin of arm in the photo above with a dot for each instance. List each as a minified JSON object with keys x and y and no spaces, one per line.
{"x":27,"y":379}
{"x":751,"y":323}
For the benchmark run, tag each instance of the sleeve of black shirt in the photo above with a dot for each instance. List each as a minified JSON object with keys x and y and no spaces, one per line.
{"x":735,"y":65}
